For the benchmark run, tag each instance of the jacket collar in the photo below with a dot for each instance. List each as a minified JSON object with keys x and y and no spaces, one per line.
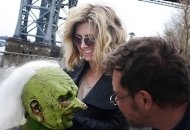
{"x":100,"y":93}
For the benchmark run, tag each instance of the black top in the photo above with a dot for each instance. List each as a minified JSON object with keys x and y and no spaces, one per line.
{"x":101,"y":114}
{"x":184,"y":124}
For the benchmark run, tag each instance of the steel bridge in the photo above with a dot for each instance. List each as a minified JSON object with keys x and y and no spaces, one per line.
{"x":40,"y":19}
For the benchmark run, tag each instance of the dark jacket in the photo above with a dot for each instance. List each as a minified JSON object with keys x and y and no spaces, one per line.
{"x":101,"y":114}
{"x":184,"y":124}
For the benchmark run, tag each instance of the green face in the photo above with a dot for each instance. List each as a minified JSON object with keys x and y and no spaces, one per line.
{"x":50,"y":98}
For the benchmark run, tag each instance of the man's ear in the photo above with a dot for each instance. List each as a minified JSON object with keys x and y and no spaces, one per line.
{"x":36,"y":110}
{"x":146,"y":99}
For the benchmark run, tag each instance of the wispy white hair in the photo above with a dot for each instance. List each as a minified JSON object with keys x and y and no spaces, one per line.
{"x":11,"y":108}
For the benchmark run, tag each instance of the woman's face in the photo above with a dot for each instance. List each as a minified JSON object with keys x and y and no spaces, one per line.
{"x":84,"y":40}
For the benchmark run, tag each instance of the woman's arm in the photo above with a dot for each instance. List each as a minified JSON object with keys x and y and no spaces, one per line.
{"x":113,"y":121}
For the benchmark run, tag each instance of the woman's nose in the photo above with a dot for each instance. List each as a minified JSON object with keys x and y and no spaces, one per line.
{"x":83,"y":45}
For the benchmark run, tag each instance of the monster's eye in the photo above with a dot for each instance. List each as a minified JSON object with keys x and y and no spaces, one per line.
{"x":35,"y":106}
{"x":64,"y":98}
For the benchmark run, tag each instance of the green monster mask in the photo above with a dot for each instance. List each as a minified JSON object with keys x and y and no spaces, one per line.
{"x":49,"y":98}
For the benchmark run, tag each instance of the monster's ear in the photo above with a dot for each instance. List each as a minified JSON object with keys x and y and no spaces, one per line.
{"x":36,"y":110}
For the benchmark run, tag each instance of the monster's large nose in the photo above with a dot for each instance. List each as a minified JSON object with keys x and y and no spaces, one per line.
{"x":79,"y":104}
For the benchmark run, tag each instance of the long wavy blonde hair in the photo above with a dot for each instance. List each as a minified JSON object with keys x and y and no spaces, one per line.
{"x":109,"y":32}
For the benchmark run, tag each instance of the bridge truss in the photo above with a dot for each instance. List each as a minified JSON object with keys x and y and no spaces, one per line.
{"x":41,"y":19}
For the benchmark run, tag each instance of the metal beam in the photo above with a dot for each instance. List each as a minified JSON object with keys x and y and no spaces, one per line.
{"x":39,"y":19}
{"x":170,"y":3}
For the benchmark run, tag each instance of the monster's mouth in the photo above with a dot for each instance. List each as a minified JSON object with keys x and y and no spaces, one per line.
{"x":68,"y":115}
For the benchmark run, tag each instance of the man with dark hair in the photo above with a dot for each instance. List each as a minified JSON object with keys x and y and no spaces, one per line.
{"x":151,"y":83}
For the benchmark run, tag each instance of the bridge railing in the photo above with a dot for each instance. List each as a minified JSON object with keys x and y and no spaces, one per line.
{"x":8,"y":59}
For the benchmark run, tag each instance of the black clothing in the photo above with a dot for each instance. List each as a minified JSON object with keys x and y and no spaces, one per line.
{"x":184,"y":124}
{"x":101,"y":114}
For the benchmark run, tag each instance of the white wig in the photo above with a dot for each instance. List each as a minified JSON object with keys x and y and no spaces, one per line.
{"x":11,"y":108}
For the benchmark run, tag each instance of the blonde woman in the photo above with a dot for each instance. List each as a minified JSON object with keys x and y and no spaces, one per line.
{"x":90,"y":32}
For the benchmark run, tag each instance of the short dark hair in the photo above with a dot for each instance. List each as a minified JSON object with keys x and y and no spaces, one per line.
{"x":152,"y":64}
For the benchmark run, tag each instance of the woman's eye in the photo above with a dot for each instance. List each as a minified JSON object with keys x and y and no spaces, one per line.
{"x":92,"y":39}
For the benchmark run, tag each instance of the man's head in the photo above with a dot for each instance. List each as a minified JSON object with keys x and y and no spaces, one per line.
{"x":151,"y":71}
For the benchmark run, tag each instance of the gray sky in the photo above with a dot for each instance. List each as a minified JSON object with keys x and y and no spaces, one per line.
{"x":142,"y":18}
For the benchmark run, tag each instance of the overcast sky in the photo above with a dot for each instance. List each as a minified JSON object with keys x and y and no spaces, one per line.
{"x":142,"y":18}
